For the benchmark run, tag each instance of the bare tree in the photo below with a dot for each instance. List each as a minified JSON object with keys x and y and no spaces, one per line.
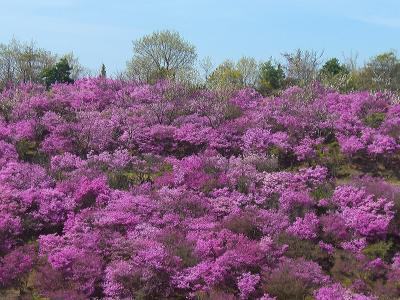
{"x":351,"y":61}
{"x":248,"y":67}
{"x":206,"y":67}
{"x":162,"y":54}
{"x":78,"y":71}
{"x":23,"y":62}
{"x":302,"y":66}
{"x":31,"y":61}
{"x":384,"y":70}
{"x":8,"y":64}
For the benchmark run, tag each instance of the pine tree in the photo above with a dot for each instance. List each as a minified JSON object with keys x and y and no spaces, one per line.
{"x":103,"y":72}
{"x":59,"y":73}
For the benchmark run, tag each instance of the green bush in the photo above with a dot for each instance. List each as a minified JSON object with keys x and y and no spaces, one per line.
{"x":232,"y":112}
{"x":177,"y":245}
{"x":29,"y":151}
{"x":284,"y":286}
{"x":380,"y":249}
{"x":375,"y":120}
{"x":244,"y":224}
{"x":306,"y":249}
{"x":125,"y":179}
{"x":322,"y":192}
{"x":330,"y":156}
{"x":243,"y":184}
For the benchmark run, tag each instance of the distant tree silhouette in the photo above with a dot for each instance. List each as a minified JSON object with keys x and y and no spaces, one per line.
{"x":103,"y":72}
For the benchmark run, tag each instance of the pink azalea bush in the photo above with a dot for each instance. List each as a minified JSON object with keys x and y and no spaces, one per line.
{"x":119,"y":190}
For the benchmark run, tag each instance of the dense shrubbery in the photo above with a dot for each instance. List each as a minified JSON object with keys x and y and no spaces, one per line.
{"x":118,"y":190}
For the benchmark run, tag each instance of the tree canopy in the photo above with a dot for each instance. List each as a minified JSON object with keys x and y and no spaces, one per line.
{"x":162,"y":54}
{"x":59,"y":73}
{"x":271,"y":77}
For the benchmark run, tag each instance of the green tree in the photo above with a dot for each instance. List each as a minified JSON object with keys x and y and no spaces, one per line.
{"x":271,"y":78}
{"x":337,"y":76}
{"x":59,"y":73}
{"x":162,"y":54}
{"x":234,"y":75}
{"x":332,"y":68}
{"x":226,"y":76}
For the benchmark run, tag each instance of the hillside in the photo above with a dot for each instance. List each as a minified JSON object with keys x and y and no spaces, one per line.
{"x":116,"y":190}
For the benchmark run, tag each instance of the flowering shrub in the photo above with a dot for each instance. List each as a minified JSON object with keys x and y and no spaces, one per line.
{"x":118,"y":190}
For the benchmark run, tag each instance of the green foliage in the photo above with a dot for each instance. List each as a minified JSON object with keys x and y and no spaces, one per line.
{"x":177,"y":245}
{"x":330,"y":156}
{"x":125,"y":179}
{"x":162,"y":54}
{"x":162,"y":73}
{"x":243,"y":184}
{"x":337,"y":76}
{"x":284,"y":285}
{"x":375,"y":120}
{"x":346,"y":268}
{"x":245,"y":224}
{"x":332,"y":68}
{"x":232,"y":112}
{"x":324,"y":191}
{"x":29,"y":151}
{"x":226,"y":75}
{"x":6,"y":108}
{"x":271,"y":78}
{"x":307,"y":249}
{"x":267,"y":164}
{"x":59,"y":73}
{"x":380,"y":249}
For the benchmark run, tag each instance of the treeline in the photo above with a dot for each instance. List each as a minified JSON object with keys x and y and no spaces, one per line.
{"x":166,"y":55}
{"x":26,"y":62}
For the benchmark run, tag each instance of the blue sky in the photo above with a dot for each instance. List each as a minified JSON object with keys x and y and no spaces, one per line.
{"x":102,"y":31}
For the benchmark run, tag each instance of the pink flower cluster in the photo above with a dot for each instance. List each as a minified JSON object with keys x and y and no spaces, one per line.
{"x":116,"y":190}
